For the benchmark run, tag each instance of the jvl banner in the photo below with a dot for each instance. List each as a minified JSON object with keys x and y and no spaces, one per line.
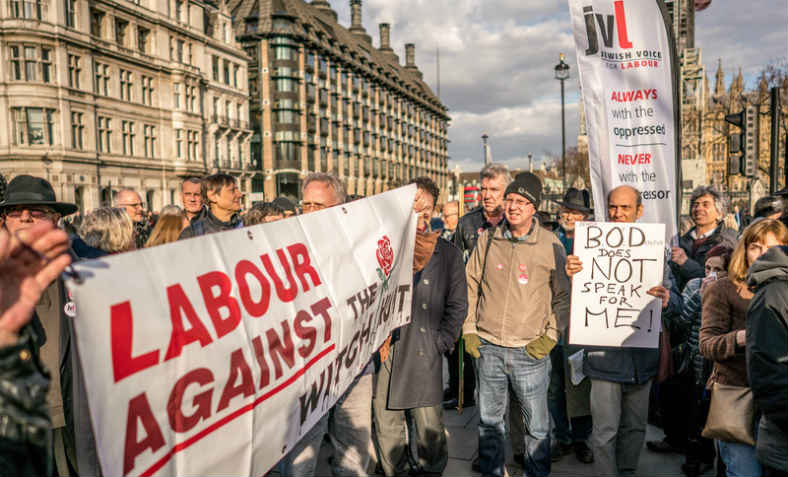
{"x":214,"y":355}
{"x":621,"y":262}
{"x":627,"y":77}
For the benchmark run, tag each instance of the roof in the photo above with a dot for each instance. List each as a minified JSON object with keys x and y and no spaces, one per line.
{"x":319,"y":27}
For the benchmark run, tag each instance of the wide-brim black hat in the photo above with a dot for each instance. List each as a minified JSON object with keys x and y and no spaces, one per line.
{"x":576,"y":199}
{"x":29,"y":190}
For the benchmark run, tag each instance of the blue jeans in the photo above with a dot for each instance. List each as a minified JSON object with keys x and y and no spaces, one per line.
{"x":740,"y":459}
{"x":498,"y":368}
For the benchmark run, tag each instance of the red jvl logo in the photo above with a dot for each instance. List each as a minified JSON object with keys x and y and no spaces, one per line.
{"x":606,"y":28}
{"x":385,"y":255}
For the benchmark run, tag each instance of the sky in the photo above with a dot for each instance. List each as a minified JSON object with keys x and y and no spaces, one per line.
{"x":497,"y":59}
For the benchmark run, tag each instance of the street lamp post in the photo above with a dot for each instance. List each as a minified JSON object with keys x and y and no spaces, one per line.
{"x":561,"y":74}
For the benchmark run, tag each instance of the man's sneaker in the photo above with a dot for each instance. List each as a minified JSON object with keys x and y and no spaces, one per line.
{"x":583,"y":452}
{"x":663,"y":447}
{"x":559,"y":449}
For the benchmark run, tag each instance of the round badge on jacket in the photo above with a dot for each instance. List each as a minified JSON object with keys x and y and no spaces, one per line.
{"x":70,"y":309}
{"x":523,"y":279}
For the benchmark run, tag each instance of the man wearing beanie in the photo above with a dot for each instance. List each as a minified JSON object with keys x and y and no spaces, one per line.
{"x":518,"y":300}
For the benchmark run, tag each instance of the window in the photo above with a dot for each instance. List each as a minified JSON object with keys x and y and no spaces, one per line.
{"x":68,"y":7}
{"x":179,"y":143}
{"x":147,"y":90}
{"x":226,"y":72}
{"x":229,"y":151}
{"x":287,"y":151}
{"x":191,"y":58}
{"x":240,"y":154}
{"x":97,"y":23}
{"x":180,"y":51}
{"x":172,"y":48}
{"x":193,"y":144}
{"x":176,"y":94}
{"x":150,"y":140}
{"x":102,"y":79}
{"x":34,"y":9}
{"x":228,"y":109}
{"x":225,"y":33}
{"x":215,"y":62}
{"x":239,"y":111}
{"x":37,"y":62}
{"x":190,"y":98}
{"x":73,"y":71}
{"x":33,"y":126}
{"x":215,"y":106}
{"x":217,"y":155}
{"x":128,"y":137}
{"x":120,"y":31}
{"x":143,"y":35}
{"x":284,"y":85}
{"x":105,"y":134}
{"x":126,"y":84}
{"x":77,"y":130}
{"x":287,"y":116}
{"x":236,"y":68}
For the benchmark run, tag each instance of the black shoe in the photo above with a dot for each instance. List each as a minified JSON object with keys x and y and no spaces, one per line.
{"x":450,"y":403}
{"x":695,"y":468}
{"x":519,"y":459}
{"x":559,"y":449}
{"x":468,"y":403}
{"x":583,"y":452}
{"x":663,"y":447}
{"x":476,"y":466}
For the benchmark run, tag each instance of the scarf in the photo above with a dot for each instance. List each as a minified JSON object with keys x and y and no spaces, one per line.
{"x":425,"y":246}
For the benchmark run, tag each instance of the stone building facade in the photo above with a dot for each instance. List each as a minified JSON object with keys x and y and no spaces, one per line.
{"x":101,"y":95}
{"x":323,"y":98}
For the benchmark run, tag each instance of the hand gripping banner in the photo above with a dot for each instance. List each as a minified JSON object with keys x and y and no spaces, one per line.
{"x":214,"y":355}
{"x":627,"y":65}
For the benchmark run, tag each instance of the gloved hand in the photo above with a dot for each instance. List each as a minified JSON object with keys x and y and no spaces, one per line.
{"x":472,"y":344}
{"x":540,"y":347}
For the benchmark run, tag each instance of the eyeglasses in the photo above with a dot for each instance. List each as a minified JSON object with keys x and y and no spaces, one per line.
{"x":312,"y":206}
{"x":36,"y":214}
{"x":134,"y":205}
{"x":517,"y":203}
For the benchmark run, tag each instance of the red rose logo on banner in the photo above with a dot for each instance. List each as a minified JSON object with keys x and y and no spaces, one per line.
{"x":385,"y":255}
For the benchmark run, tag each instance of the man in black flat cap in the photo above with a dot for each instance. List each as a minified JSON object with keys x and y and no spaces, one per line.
{"x":29,"y":201}
{"x":570,"y":406}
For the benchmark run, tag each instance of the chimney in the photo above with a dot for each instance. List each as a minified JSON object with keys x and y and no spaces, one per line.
{"x":410,"y":56}
{"x":385,"y":37}
{"x":355,"y":15}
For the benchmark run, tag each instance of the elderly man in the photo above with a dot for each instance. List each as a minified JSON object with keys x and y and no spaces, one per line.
{"x":30,"y":201}
{"x":707,"y":209}
{"x":518,"y":300}
{"x":29,"y":262}
{"x":570,"y":404}
{"x":621,"y":377}
{"x":130,"y":200}
{"x":349,"y":423}
{"x":221,"y":194}
{"x":191,"y":196}
{"x":450,"y":216}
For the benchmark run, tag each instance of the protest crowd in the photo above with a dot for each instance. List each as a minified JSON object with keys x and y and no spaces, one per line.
{"x":491,"y":296}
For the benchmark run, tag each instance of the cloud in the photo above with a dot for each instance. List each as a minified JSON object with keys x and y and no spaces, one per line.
{"x":497,"y":59}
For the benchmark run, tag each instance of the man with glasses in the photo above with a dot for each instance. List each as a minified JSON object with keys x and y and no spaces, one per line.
{"x":450,"y":216}
{"x":349,"y":423}
{"x":131,"y":201}
{"x":518,"y":300}
{"x":29,"y":202}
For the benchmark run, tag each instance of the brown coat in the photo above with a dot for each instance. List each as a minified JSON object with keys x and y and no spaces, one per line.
{"x":724,"y":314}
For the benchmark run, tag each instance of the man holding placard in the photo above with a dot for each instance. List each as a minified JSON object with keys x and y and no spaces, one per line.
{"x":621,"y":376}
{"x":517,"y":302}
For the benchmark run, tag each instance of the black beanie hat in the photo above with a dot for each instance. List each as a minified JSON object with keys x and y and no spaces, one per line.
{"x":528,"y":186}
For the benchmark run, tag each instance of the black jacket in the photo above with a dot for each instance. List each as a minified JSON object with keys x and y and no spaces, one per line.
{"x":209,"y":224}
{"x":440,"y":301}
{"x":468,"y":229}
{"x":767,"y":353}
{"x":695,"y":265}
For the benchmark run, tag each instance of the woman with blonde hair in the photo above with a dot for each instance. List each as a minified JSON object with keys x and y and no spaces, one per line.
{"x":722,"y":337}
{"x":108,"y":229}
{"x":167,"y":229}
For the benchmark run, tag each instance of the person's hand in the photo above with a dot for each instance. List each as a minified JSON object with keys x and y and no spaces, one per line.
{"x":540,"y":347}
{"x":573,"y":265}
{"x":25,"y":273}
{"x":384,"y":350}
{"x":741,"y":338}
{"x":472,"y":344}
{"x":662,"y":293}
{"x":678,"y":256}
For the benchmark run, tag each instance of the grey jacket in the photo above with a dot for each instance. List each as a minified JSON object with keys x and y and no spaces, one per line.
{"x":440,"y":302}
{"x":633,"y":365}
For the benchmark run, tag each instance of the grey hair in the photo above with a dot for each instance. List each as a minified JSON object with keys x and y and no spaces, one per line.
{"x":720,"y":201}
{"x":495,"y":170}
{"x":109,"y":229}
{"x":327,"y":178}
{"x":172,"y":210}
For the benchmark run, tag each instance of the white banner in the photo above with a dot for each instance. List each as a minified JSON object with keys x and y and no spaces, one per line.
{"x":624,"y":59}
{"x":621,"y":262}
{"x":214,"y":355}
